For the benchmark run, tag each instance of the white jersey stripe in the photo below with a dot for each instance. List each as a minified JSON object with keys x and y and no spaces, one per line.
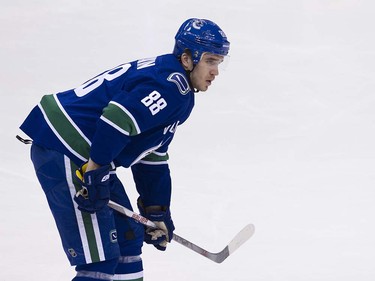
{"x":128,"y":114}
{"x":153,"y":163}
{"x":70,"y":120}
{"x":81,"y":226}
{"x":98,"y":237}
{"x":109,"y":122}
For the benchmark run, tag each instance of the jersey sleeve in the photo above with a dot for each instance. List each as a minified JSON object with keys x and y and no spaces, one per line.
{"x":113,"y":130}
{"x":152,"y":178}
{"x":107,"y":143}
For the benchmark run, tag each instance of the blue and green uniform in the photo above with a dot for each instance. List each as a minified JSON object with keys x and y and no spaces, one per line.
{"x":125,"y":116}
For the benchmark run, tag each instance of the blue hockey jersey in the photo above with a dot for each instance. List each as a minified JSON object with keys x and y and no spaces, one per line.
{"x":126,"y":116}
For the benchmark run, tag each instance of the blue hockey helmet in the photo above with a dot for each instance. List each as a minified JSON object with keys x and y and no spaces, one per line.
{"x":200,"y":36}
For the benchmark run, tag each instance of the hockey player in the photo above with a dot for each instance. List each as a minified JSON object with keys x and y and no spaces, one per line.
{"x":124,"y":117}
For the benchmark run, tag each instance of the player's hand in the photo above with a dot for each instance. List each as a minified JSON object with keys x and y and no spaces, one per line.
{"x":94,"y":194}
{"x":161,"y":217}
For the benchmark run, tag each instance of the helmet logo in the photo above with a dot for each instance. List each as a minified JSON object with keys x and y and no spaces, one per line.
{"x":197,"y":24}
{"x":199,"y":36}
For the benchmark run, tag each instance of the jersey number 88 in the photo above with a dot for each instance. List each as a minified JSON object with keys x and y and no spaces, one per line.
{"x":154,"y":102}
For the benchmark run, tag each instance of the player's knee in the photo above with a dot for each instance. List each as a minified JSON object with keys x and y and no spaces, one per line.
{"x":98,"y":271}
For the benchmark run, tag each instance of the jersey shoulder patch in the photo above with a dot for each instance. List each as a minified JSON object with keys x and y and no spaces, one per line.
{"x":181,"y":82}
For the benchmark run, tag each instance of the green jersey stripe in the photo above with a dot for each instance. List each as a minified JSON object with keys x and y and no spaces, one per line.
{"x":64,"y":127}
{"x":156,"y":157}
{"x":123,"y":120}
{"x":91,"y":237}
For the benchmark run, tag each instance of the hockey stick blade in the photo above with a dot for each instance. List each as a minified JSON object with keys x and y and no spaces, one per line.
{"x":219,"y":257}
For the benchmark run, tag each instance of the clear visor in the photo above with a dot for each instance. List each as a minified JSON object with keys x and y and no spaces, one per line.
{"x":214,"y":60}
{"x":225,"y":62}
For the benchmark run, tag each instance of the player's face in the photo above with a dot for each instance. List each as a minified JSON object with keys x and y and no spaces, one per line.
{"x":205,"y":71}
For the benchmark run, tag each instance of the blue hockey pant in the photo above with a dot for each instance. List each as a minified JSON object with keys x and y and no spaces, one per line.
{"x":105,"y":245}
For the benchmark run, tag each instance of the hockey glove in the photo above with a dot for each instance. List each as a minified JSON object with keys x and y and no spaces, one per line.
{"x":163,"y":234}
{"x":94,"y":194}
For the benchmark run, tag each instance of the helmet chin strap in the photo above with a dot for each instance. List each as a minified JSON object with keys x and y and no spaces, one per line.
{"x":188,"y":72}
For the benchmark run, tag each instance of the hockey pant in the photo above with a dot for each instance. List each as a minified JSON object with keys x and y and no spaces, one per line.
{"x":103,"y":246}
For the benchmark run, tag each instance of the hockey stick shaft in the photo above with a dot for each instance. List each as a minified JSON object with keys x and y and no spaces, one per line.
{"x":219,"y":257}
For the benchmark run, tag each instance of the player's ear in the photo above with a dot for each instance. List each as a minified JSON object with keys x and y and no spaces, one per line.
{"x":186,"y":61}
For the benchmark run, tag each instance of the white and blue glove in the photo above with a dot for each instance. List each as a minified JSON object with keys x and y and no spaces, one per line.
{"x":161,"y":217}
{"x":94,"y":194}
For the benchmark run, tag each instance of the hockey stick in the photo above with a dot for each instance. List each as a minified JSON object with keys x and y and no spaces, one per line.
{"x":218,"y":257}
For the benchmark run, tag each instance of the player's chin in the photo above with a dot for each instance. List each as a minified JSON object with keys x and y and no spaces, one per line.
{"x":204,"y":87}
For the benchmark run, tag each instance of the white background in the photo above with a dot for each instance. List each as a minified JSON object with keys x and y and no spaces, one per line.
{"x":284,"y":138}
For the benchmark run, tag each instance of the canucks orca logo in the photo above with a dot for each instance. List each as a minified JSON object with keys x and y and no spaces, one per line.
{"x":113,"y":235}
{"x":180,"y":81}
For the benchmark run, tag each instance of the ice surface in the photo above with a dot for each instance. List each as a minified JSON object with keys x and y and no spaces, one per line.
{"x":283,"y":139}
